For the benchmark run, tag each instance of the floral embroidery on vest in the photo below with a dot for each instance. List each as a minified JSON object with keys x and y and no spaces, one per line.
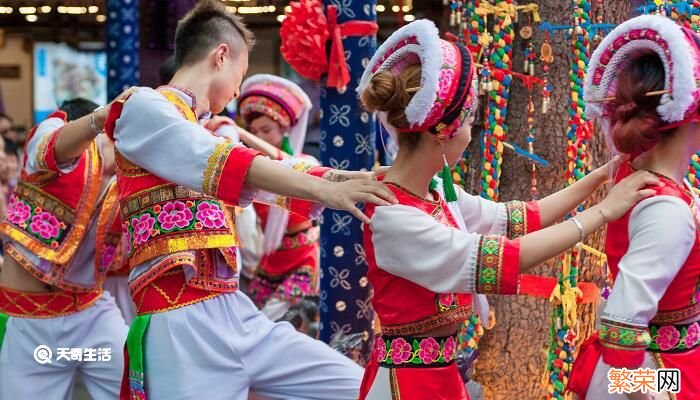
{"x":623,"y":336}
{"x":414,"y":351}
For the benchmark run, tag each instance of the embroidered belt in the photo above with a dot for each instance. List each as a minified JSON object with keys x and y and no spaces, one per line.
{"x":170,"y":218}
{"x":674,"y":338}
{"x":300,"y":239}
{"x":21,"y":304}
{"x":408,"y":351}
{"x":672,"y":316}
{"x":454,"y":316}
{"x":168,"y":292}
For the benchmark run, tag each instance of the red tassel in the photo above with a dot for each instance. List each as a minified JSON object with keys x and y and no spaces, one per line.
{"x":338,"y":74}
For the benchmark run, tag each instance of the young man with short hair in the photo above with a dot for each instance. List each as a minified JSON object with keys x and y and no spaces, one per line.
{"x":196,"y":336}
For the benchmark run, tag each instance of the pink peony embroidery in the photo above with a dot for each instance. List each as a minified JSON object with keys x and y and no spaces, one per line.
{"x":693,"y":335}
{"x":446,"y":300}
{"x":17,"y":211}
{"x":295,"y":286}
{"x":667,"y":337}
{"x":429,"y":350}
{"x":46,"y":225}
{"x":142,"y":228}
{"x":287,"y":242}
{"x":302,"y":239}
{"x":379,"y":349}
{"x":400,"y":351}
{"x":450,"y":349}
{"x":174,"y":214}
{"x":447,"y":77}
{"x":126,"y":243}
{"x":108,"y":255}
{"x":210,"y":215}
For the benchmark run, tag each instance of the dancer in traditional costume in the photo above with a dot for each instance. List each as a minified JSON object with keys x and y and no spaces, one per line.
{"x":57,"y":254}
{"x":196,"y":336}
{"x":277,"y":110}
{"x":429,"y":253}
{"x":652,"y":316}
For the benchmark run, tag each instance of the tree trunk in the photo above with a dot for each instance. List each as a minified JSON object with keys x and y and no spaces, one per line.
{"x":513,"y":355}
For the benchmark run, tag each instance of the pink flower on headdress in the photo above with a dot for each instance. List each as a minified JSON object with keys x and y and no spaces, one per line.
{"x":174,"y":214}
{"x":17,"y":211}
{"x":210,"y":215}
{"x":429,"y":350}
{"x":447,"y":77}
{"x":693,"y":335}
{"x":45,"y":224}
{"x":667,"y":337}
{"x":450,"y":349}
{"x":142,"y":228}
{"x":400,"y":351}
{"x":379,"y":349}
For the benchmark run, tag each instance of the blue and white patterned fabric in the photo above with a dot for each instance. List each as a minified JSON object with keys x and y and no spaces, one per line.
{"x":347,"y":143}
{"x":122,"y":33}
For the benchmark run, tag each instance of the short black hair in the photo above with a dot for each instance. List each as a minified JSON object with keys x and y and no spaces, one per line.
{"x":167,"y":70}
{"x":207,"y":25}
{"x":77,"y":108}
{"x":11,"y":148}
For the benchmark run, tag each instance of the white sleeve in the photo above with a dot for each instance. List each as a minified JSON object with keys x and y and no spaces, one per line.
{"x":661,"y":233}
{"x":152,"y":134}
{"x":229,"y":131}
{"x":36,"y":147}
{"x":411,"y":244}
{"x":482,"y":215}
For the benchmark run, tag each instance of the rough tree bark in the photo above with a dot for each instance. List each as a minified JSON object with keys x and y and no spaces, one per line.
{"x":512,"y":356}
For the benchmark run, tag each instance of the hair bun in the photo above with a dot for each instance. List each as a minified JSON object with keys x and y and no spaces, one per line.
{"x":625,"y":112}
{"x":387,"y":92}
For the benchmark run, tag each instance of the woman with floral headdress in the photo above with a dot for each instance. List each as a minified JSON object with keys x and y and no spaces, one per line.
{"x":428,"y":254}
{"x":277,"y":111}
{"x":652,"y":316}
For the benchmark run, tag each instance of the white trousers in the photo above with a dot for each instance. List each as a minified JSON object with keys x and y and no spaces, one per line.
{"x":222,"y":348}
{"x":118,"y":287}
{"x":99,"y":327}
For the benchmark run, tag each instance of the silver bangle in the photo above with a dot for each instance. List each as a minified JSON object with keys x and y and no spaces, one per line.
{"x":92,"y":122}
{"x":582,"y":234}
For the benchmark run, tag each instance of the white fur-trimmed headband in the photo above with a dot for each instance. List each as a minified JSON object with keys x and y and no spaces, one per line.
{"x":677,"y":47}
{"x":446,"y":93}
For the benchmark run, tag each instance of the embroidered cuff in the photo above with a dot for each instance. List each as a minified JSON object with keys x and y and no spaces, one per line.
{"x":623,"y":344}
{"x":226,"y":170}
{"x":497,"y":265}
{"x":522,"y":218}
{"x":306,"y":208}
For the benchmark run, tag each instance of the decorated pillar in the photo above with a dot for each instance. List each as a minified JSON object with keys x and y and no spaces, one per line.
{"x":347,"y":142}
{"x":122,"y":35}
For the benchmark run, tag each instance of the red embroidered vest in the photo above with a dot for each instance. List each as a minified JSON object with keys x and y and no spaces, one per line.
{"x":404,"y":307}
{"x":159,"y":217}
{"x":50,"y":211}
{"x":110,"y":257}
{"x":682,"y":298}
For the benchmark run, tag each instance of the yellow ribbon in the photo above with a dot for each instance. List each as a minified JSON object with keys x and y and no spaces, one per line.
{"x":503,"y":10}
{"x":568,"y":297}
{"x":531,"y":8}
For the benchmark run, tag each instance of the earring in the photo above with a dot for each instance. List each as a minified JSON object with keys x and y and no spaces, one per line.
{"x":448,"y":183}
{"x":286,"y":145}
